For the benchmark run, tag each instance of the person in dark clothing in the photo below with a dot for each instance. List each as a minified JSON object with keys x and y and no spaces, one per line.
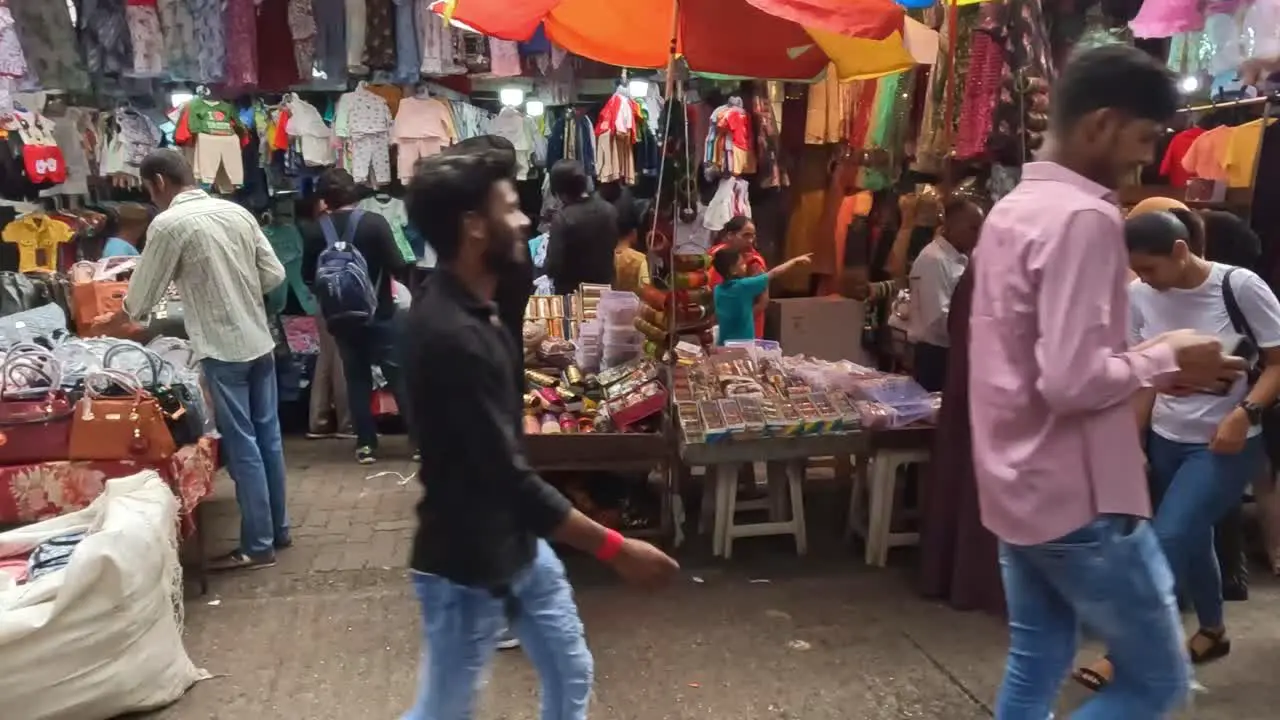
{"x":481,"y":547}
{"x":584,"y":234}
{"x":362,"y":346}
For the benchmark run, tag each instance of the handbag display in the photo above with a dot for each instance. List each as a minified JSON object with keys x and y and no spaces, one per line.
{"x":130,"y":427}
{"x":46,"y":321}
{"x":35,"y":416}
{"x":181,"y":412}
{"x":96,"y":291}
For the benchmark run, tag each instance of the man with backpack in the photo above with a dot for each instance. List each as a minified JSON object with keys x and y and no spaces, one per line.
{"x":354,"y":261}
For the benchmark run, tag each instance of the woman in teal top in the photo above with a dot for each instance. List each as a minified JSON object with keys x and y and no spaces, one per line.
{"x":735,"y":297}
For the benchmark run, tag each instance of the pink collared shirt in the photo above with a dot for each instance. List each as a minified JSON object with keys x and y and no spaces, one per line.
{"x":1055,"y":442}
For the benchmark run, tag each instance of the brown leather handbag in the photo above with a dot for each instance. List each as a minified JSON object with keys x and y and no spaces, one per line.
{"x":111,"y":426}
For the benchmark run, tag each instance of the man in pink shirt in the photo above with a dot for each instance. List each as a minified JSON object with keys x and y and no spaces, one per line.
{"x":1058,"y":463}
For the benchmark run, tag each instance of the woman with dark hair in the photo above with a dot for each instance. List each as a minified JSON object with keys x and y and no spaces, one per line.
{"x":740,"y":234}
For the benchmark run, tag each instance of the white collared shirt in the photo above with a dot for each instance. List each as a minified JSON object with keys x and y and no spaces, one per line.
{"x":222,"y":264}
{"x":934,"y":276}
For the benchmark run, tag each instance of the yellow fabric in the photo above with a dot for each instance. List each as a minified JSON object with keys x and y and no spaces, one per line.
{"x":824,"y":117}
{"x":861,"y":59}
{"x":37,"y":237}
{"x":1241,"y":152}
{"x":631,"y":270}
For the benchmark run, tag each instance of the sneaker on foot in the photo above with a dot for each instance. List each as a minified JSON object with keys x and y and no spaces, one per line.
{"x":507,"y":641}
{"x":345,"y":435}
{"x":417,"y":456}
{"x":237,"y":560}
{"x":319,"y":435}
{"x":365,"y":456}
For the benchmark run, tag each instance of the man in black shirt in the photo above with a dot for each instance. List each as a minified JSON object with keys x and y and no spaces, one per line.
{"x":583,"y":236}
{"x":480,"y":550}
{"x":363,"y":345}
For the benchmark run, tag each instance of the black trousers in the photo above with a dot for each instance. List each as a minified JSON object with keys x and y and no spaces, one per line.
{"x":930,"y":366}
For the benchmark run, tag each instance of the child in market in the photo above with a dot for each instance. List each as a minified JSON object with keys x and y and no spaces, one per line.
{"x":735,"y":296}
{"x":630,"y":266}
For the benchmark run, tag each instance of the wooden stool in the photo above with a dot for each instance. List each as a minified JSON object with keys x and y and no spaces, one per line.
{"x":882,"y":487}
{"x":785,"y":483}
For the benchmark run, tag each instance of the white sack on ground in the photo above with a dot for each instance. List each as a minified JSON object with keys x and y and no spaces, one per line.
{"x":102,"y":636}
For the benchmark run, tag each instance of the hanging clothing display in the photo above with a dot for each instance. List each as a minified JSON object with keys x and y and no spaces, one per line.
{"x":729,"y":148}
{"x":181,"y":59}
{"x":1171,"y":166}
{"x":437,"y":41}
{"x":12,"y":62}
{"x":104,"y":36}
{"x":302,"y":28}
{"x":824,"y":121}
{"x":37,"y":237}
{"x":145,"y":34}
{"x":331,"y":40}
{"x":423,"y":127}
{"x":277,"y":60}
{"x":307,"y":128}
{"x":213,"y":133}
{"x":363,"y":123}
{"x":504,"y":58}
{"x":380,"y":36}
{"x":125,"y":137}
{"x":211,"y":39}
{"x":1022,"y":111}
{"x":394,"y":212}
{"x":408,"y":50}
{"x":73,"y":132}
{"x":510,"y":124}
{"x":729,"y":201}
{"x":242,"y":43}
{"x":618,"y":128}
{"x":572,"y":137}
{"x":954,"y":67}
{"x":770,"y":172}
{"x":357,"y":29}
{"x":48,"y":40}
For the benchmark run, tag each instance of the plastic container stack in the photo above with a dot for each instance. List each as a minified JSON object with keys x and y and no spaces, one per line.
{"x":621,"y":341}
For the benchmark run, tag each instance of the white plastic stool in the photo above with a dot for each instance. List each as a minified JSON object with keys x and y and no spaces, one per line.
{"x":882,"y":487}
{"x":785,"y":483}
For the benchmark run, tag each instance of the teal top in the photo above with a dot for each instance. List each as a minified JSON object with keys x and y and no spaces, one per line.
{"x":286,"y":240}
{"x":115,"y":247}
{"x":735,"y":299}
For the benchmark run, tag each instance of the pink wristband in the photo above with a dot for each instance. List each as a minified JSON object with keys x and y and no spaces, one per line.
{"x":612,"y":544}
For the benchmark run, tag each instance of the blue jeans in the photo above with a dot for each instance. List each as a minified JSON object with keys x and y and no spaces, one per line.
{"x":460,"y":627}
{"x":377,"y":343}
{"x":246,"y":409}
{"x":1111,"y":578}
{"x":1197,"y":488}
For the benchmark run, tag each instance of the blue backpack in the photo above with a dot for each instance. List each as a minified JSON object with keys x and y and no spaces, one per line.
{"x":343,"y":289}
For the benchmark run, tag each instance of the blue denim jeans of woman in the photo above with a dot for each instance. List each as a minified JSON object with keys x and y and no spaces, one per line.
{"x":1195,"y":488}
{"x":1110,"y":579}
{"x":460,"y":628}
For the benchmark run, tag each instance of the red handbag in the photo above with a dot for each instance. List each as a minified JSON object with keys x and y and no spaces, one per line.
{"x":35,"y":420}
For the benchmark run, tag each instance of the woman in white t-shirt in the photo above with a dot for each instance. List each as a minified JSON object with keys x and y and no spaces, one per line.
{"x":1204,"y":445}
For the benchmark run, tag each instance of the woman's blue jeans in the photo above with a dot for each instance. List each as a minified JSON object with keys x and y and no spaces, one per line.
{"x":1194,"y":488}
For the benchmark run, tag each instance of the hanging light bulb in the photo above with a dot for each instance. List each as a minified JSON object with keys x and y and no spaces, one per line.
{"x":638,"y":88}
{"x":1189,"y":84}
{"x":534,"y":108}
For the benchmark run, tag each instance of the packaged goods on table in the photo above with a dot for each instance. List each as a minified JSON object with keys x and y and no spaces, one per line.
{"x":626,"y":398}
{"x":752,"y":391}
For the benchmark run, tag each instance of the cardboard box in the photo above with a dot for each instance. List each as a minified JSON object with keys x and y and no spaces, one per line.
{"x":829,"y":328}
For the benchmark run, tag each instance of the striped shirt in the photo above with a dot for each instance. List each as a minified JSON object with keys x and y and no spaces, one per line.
{"x":222,"y":264}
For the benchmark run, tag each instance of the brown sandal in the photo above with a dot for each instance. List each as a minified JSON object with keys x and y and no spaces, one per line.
{"x":1096,"y":676}
{"x":1219,"y":646}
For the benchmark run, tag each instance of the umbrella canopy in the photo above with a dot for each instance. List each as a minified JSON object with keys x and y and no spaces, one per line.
{"x":779,"y":39}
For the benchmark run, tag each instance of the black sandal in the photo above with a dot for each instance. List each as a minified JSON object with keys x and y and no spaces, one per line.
{"x":1219,"y":646}
{"x":1093,"y":679}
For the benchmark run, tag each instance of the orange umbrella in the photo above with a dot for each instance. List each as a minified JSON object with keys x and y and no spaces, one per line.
{"x":780,"y":39}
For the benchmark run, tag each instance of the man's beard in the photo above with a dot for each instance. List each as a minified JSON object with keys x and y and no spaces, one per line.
{"x":500,"y":256}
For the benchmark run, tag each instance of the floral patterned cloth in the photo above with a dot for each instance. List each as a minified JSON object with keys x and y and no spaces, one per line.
{"x":242,"y":43}
{"x":31,"y":493}
{"x":380,"y":35}
{"x":48,"y":42}
{"x":181,"y":59}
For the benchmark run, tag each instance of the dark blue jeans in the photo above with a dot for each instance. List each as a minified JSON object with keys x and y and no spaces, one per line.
{"x":246,"y":409}
{"x":1110,"y":578}
{"x":1196,"y":488}
{"x":377,"y":343}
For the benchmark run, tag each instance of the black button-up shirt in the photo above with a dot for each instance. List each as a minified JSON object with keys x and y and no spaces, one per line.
{"x":483,"y":506}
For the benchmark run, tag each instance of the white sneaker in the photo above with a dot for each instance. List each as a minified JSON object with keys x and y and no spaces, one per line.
{"x":507,"y":641}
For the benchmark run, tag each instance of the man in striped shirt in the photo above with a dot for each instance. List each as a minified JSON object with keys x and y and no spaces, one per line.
{"x":222,"y":264}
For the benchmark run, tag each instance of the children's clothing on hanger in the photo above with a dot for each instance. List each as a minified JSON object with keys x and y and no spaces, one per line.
{"x":396,"y":215}
{"x":423,"y":127}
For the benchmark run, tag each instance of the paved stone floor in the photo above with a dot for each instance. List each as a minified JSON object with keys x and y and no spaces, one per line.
{"x":332,"y":631}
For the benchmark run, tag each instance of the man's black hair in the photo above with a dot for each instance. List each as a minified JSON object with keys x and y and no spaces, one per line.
{"x":1155,"y":233}
{"x":568,"y":179}
{"x":168,"y":164}
{"x":337,"y":188}
{"x":1113,"y":76}
{"x":446,"y":187}
{"x":483,"y":143}
{"x":1230,"y":240}
{"x":724,"y":261}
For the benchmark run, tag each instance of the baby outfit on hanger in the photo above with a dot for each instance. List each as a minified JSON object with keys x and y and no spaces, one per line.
{"x":69,"y":132}
{"x":423,"y":127}
{"x":357,"y":29}
{"x":364,"y":120}
{"x":510,"y":124}
{"x":211,"y":39}
{"x":242,"y":42}
{"x":143,"y":17}
{"x":104,"y":32}
{"x":212,"y":130}
{"x":396,"y":215}
{"x":315,"y":139}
